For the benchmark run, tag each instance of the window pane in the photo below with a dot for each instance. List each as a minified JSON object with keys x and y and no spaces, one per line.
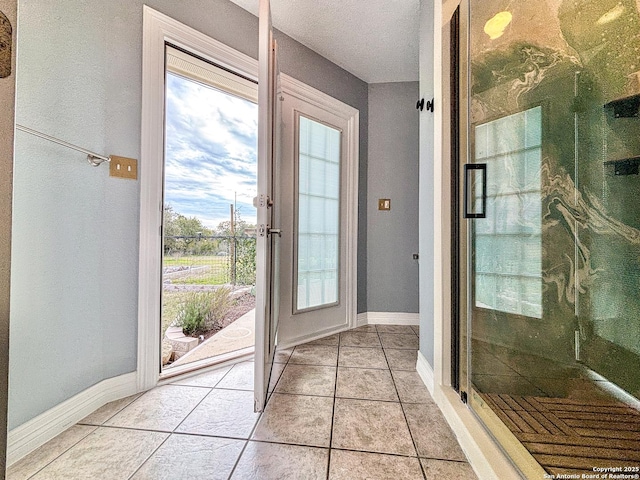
{"x":508,"y":250}
{"x":318,"y":207}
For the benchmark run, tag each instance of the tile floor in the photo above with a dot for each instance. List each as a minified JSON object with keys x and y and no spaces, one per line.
{"x":349,"y":406}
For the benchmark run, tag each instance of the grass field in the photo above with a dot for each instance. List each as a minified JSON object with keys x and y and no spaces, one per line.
{"x":192,"y":260}
{"x":216,"y":274}
{"x":207,"y":278}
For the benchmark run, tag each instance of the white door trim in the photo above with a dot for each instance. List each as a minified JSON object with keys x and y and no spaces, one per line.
{"x":159,"y":29}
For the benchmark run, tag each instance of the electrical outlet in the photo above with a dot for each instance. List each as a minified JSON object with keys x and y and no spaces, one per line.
{"x":123,"y":167}
{"x":384,"y":204}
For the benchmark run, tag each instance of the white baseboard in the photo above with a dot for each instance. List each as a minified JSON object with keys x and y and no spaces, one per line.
{"x":364,"y":318}
{"x":39,"y":430}
{"x":425,"y":371}
{"x":293,"y":342}
{"x":484,"y":455}
{"x":388,"y":318}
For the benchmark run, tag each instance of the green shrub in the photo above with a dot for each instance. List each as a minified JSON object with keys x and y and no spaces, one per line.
{"x":203,"y":311}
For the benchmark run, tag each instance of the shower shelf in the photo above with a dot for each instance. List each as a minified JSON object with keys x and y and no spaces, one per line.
{"x":628,"y":107}
{"x":623,"y":166}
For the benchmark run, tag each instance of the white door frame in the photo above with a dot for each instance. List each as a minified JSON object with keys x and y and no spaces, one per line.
{"x":159,"y":29}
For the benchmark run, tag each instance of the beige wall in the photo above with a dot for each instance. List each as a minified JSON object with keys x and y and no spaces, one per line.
{"x":7,"y":103}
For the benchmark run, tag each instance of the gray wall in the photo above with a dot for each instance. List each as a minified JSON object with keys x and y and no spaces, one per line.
{"x":426,"y":183}
{"x":392,"y":236}
{"x":75,"y":260}
{"x":7,"y":102}
{"x":312,"y":69}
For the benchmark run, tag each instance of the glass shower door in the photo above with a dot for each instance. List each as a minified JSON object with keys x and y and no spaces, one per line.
{"x":554,"y":266}
{"x":608,"y":335}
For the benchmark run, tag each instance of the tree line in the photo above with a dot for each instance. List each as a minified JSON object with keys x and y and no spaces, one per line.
{"x":188,"y":236}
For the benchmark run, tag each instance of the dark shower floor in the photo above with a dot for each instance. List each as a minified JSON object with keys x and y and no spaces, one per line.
{"x":572,"y":436}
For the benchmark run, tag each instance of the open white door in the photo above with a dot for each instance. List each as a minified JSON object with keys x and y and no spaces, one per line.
{"x":267,"y":204}
{"x":319,"y":213}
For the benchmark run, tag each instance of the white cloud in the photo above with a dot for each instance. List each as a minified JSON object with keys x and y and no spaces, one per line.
{"x":210,"y":152}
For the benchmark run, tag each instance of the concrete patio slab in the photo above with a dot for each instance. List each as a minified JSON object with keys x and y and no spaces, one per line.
{"x":236,"y":336}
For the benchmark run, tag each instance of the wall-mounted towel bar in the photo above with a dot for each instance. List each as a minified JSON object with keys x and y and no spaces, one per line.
{"x":93,"y":158}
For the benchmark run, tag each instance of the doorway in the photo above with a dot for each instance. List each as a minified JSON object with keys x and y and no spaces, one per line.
{"x":209,"y":243}
{"x":211,"y":64}
{"x":160,"y":30}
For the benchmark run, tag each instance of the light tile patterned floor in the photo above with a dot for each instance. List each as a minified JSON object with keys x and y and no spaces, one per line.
{"x":349,"y":406}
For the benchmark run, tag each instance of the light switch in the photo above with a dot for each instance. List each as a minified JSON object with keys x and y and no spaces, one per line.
{"x":384,"y":204}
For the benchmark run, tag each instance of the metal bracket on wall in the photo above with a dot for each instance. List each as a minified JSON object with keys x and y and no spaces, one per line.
{"x":420,"y":105}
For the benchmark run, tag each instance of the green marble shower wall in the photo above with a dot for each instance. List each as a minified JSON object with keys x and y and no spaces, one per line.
{"x":568,"y":70}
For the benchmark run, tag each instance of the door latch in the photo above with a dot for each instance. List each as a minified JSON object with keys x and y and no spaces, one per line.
{"x":275,"y":231}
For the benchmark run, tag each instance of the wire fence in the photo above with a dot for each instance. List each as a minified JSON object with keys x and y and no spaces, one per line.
{"x":208,"y":261}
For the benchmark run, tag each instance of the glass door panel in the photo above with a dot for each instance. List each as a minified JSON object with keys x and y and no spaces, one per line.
{"x":554,"y":268}
{"x":318,"y":212}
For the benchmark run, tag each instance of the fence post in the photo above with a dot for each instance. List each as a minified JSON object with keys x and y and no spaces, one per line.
{"x":232,"y":246}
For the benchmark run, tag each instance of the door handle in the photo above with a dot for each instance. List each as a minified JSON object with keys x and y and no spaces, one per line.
{"x":275,"y":231}
{"x":475,"y":190}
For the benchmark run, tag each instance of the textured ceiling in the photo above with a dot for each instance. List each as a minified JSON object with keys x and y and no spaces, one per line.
{"x":376,"y":40}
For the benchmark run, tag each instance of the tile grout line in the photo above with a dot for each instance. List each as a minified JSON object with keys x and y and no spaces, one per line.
{"x":149,"y":457}
{"x":293,"y":394}
{"x":342,"y":449}
{"x":61,"y":454}
{"x":333,"y":410}
{"x":115,"y":427}
{"x":246,"y":443}
{"x":211,"y":389}
{"x":192,"y":410}
{"x":424,"y":475}
{"x":138,"y":395}
{"x":255,"y":425}
{"x":244,"y":447}
{"x":181,"y":421}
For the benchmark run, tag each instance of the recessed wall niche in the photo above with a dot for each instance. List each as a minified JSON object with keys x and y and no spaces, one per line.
{"x":6,"y":40}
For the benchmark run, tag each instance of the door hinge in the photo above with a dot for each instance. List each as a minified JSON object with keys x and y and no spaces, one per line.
{"x":259,"y":201}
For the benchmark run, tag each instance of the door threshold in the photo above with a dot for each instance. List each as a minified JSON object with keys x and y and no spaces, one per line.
{"x":207,"y":363}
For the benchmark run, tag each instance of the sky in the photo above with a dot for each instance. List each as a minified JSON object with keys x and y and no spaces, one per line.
{"x":211,"y":150}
